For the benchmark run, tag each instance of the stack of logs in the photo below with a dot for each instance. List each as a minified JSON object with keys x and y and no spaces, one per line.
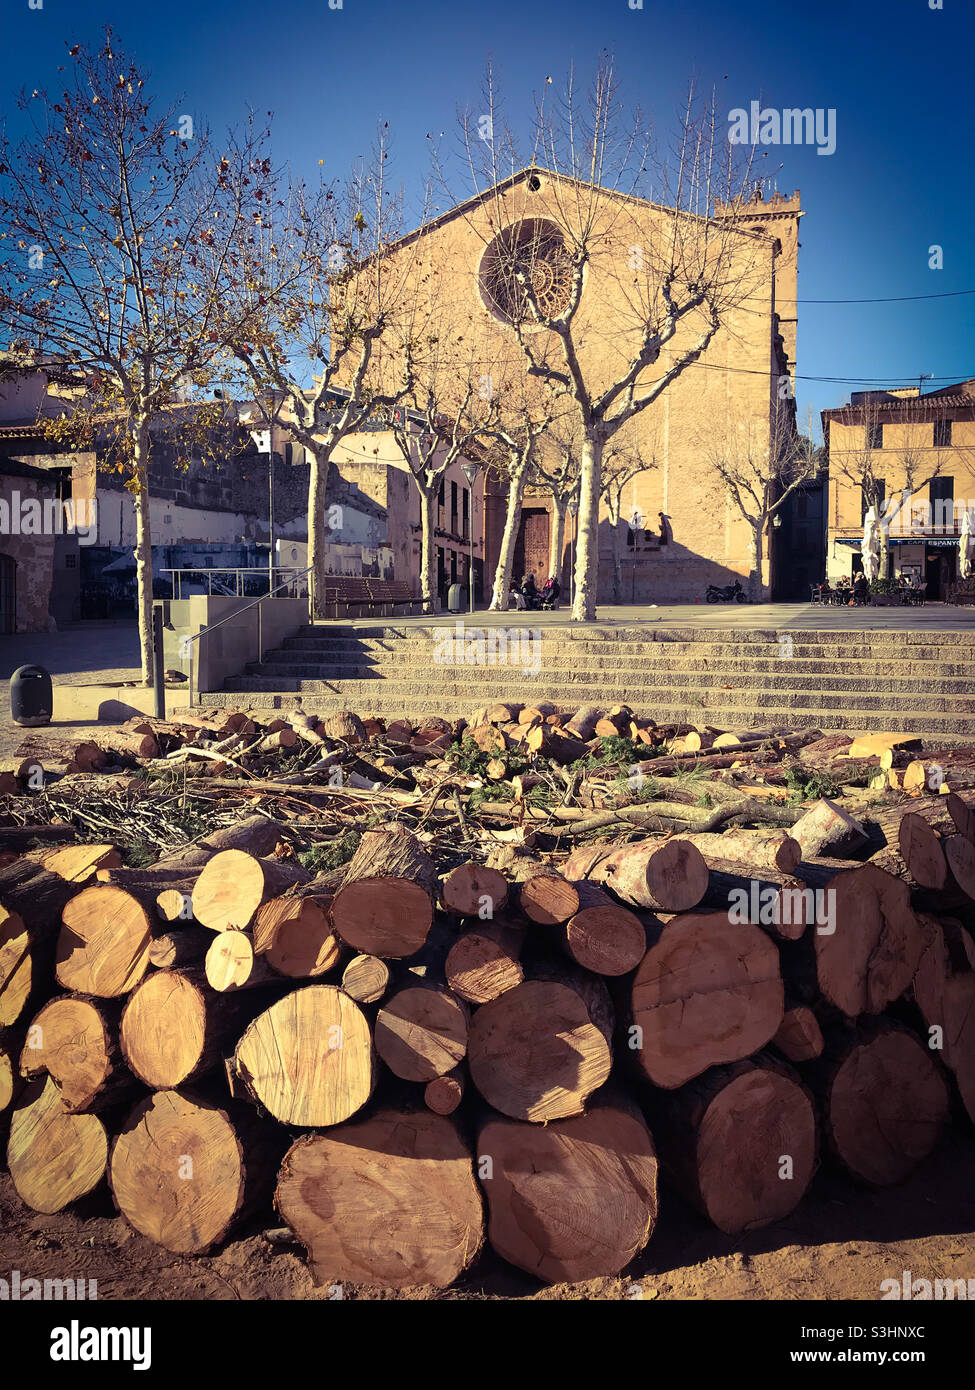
{"x":414,"y":1059}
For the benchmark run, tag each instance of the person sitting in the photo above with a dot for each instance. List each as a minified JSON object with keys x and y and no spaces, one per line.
{"x":515,"y":600}
{"x":861,"y":590}
{"x":528,"y":591}
{"x":550,"y":592}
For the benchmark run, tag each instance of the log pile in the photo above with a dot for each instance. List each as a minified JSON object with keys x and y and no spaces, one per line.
{"x":418,"y":1017}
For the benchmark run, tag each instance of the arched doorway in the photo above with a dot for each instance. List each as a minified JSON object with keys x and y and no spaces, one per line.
{"x":531,"y":550}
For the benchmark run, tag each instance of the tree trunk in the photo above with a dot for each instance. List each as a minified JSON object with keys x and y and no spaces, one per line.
{"x":183,"y":1171}
{"x":390,"y":1201}
{"x":54,"y":1157}
{"x":421,"y":1032}
{"x":428,"y":524}
{"x":143,"y":544}
{"x":308,"y":1059}
{"x":234,"y":884}
{"x":884,"y":1101}
{"x":870,"y":957}
{"x":75,"y":1041}
{"x":509,"y":539}
{"x":103,"y":946}
{"x":556,"y":552}
{"x":384,"y":907}
{"x":31,"y":903}
{"x":944,"y":990}
{"x":294,"y":936}
{"x":724,"y":1138}
{"x":175,"y":1027}
{"x":703,"y":995}
{"x":755,"y":549}
{"x":535,"y":1053}
{"x":587,"y":548}
{"x":662,"y":875}
{"x":613,"y":509}
{"x":571,"y":1200}
{"x":485,"y":961}
{"x":317,"y":485}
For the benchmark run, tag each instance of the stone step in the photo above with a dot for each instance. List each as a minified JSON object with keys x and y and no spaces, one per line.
{"x":781,"y":675}
{"x":635,"y":693}
{"x":423,"y":649}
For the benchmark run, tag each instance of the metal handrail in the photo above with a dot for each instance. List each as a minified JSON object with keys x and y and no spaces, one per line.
{"x":255,"y":603}
{"x":236,"y":570}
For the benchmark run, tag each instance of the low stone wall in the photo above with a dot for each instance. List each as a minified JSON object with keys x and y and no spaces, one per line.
{"x":246,"y":631}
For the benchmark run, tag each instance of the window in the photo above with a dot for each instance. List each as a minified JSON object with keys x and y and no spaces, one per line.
{"x":440,"y":494}
{"x":880,"y":488}
{"x":942,"y":494}
{"x":466,"y":513}
{"x":453,"y":506}
{"x":875,"y":436}
{"x":942,"y":434}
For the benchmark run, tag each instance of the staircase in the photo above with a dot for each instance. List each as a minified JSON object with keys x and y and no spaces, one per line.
{"x":923,"y":682}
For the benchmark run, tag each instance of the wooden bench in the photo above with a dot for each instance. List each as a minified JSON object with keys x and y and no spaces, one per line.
{"x":352,"y":592}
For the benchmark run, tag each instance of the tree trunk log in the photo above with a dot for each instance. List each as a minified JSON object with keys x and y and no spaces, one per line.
{"x":184,"y":1171}
{"x":944,"y":990}
{"x":740,"y":1143}
{"x":54,"y":1157}
{"x":390,"y":1201}
{"x":175,"y":1028}
{"x":884,"y":1101}
{"x":571,"y":1200}
{"x":443,"y":1094}
{"x":103,"y":948}
{"x":471,"y":890}
{"x":295,"y":937}
{"x":485,"y":961}
{"x":799,"y":1037}
{"x":31,"y":903}
{"x":703,"y":995}
{"x":421,"y":1032}
{"x":366,"y":979}
{"x":234,"y":884}
{"x":308,"y":1059}
{"x":535,"y":1054}
{"x":870,"y":959}
{"x":76,"y":1041}
{"x":662,"y":875}
{"x":602,"y":936}
{"x":828,"y":829}
{"x":385,"y":907}
{"x":761,"y":849}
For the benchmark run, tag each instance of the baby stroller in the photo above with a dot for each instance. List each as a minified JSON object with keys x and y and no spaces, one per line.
{"x":550,"y":593}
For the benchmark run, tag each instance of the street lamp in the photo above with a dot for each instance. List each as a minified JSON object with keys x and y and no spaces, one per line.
{"x":469,"y":471}
{"x":572,"y":509}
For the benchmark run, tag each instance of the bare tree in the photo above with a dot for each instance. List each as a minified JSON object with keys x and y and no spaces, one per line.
{"x":516,"y":439}
{"x":609,"y":296}
{"x":556,"y":472}
{"x":105,"y":207}
{"x":322,"y":319}
{"x":443,"y":422}
{"x":761,"y":465}
{"x":623,"y":461}
{"x":866,"y":463}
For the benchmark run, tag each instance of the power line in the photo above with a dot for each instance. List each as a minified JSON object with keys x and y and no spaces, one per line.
{"x":891,"y":299}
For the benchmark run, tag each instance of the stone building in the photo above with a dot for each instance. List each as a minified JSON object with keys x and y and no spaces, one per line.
{"x":918,"y":451}
{"x":736,"y":383}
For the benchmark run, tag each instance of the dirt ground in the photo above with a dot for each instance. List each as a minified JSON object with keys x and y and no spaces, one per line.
{"x":839,"y":1244}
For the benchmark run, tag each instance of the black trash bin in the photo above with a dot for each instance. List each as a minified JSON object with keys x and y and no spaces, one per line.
{"x":31,"y":696}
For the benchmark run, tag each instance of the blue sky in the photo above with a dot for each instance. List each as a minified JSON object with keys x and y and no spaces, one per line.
{"x":897,"y":75}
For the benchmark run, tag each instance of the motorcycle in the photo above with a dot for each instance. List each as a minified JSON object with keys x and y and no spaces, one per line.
{"x":728,"y":593}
